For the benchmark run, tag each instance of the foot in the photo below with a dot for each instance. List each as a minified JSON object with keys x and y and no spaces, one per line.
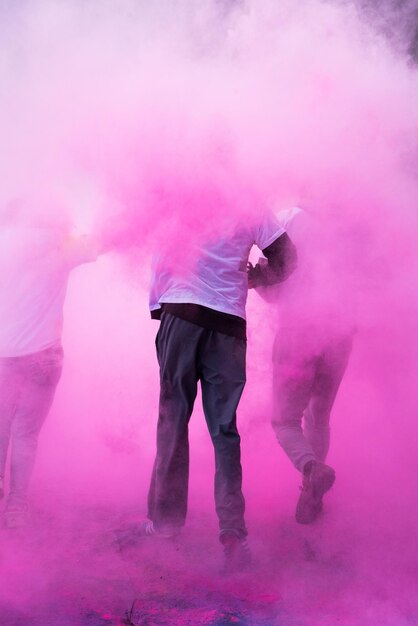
{"x":318,"y":478}
{"x":1,"y":487}
{"x":130,"y":533}
{"x":16,"y":517}
{"x":237,"y":553}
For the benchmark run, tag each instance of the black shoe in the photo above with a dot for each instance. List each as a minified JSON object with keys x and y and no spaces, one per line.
{"x":237,"y":553}
{"x":318,"y":478}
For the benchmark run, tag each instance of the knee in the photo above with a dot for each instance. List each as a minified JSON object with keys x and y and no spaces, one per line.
{"x":28,"y":438}
{"x":225,"y":438}
{"x":285,"y":429}
{"x":317,"y":419}
{"x":284,"y":419}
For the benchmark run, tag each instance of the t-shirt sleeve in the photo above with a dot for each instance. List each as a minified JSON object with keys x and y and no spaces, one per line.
{"x":268,"y":230}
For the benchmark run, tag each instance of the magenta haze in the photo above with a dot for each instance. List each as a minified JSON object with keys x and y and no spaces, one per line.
{"x":170,"y":119}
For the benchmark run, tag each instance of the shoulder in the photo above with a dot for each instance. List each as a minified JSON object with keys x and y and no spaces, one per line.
{"x":267,"y":229}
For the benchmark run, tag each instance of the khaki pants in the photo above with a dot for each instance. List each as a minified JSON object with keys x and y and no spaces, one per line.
{"x":306,"y":378}
{"x":27,"y":389}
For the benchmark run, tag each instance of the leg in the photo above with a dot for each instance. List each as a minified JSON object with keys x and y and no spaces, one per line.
{"x":293,"y":379}
{"x":176,"y":343}
{"x":222,"y":371}
{"x":329,"y":374}
{"x":40,"y":374}
{"x":9,"y":391}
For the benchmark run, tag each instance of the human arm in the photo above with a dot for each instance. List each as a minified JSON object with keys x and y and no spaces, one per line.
{"x":281,"y":262}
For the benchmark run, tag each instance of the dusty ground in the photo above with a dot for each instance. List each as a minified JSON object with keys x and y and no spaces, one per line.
{"x":65,"y":569}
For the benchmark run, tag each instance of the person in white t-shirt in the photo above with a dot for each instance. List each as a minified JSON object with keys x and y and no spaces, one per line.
{"x":313,"y":342}
{"x":35,"y":263}
{"x":202,"y":337}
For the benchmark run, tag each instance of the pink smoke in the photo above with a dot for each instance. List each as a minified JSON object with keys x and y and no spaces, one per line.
{"x":151,"y":124}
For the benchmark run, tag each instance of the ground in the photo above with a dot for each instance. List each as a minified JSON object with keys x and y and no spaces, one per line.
{"x":67,"y":569}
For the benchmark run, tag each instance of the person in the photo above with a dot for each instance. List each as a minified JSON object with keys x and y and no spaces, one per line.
{"x":202,"y":337}
{"x":36,"y":258}
{"x":311,"y":350}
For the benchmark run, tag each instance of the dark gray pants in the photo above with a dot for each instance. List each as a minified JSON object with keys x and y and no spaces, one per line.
{"x":186,"y":354}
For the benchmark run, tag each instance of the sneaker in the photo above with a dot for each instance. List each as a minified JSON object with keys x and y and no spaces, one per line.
{"x":129,"y":534}
{"x":1,"y":487}
{"x":16,"y":517}
{"x":237,"y":553}
{"x":318,"y":478}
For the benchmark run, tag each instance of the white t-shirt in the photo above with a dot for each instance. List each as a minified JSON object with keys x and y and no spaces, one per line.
{"x":34,"y":271}
{"x":215,"y":272}
{"x":320,"y":293}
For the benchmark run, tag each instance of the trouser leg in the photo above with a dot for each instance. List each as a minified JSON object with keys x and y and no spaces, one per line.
{"x":222,"y":372}
{"x":10,"y":385}
{"x":293,"y":378}
{"x":40,"y":374}
{"x":331,"y":366}
{"x":176,"y":344}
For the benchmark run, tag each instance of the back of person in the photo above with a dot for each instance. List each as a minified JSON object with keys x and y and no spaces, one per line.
{"x":32,"y":291}
{"x":318,"y":299}
{"x":35,"y":263}
{"x":311,"y":352}
{"x":213,"y":273}
{"x":200,"y":301}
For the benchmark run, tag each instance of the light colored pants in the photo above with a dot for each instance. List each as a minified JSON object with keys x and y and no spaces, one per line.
{"x":27,"y":389}
{"x":306,"y":378}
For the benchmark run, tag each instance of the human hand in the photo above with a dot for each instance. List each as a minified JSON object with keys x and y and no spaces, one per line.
{"x":252,"y":273}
